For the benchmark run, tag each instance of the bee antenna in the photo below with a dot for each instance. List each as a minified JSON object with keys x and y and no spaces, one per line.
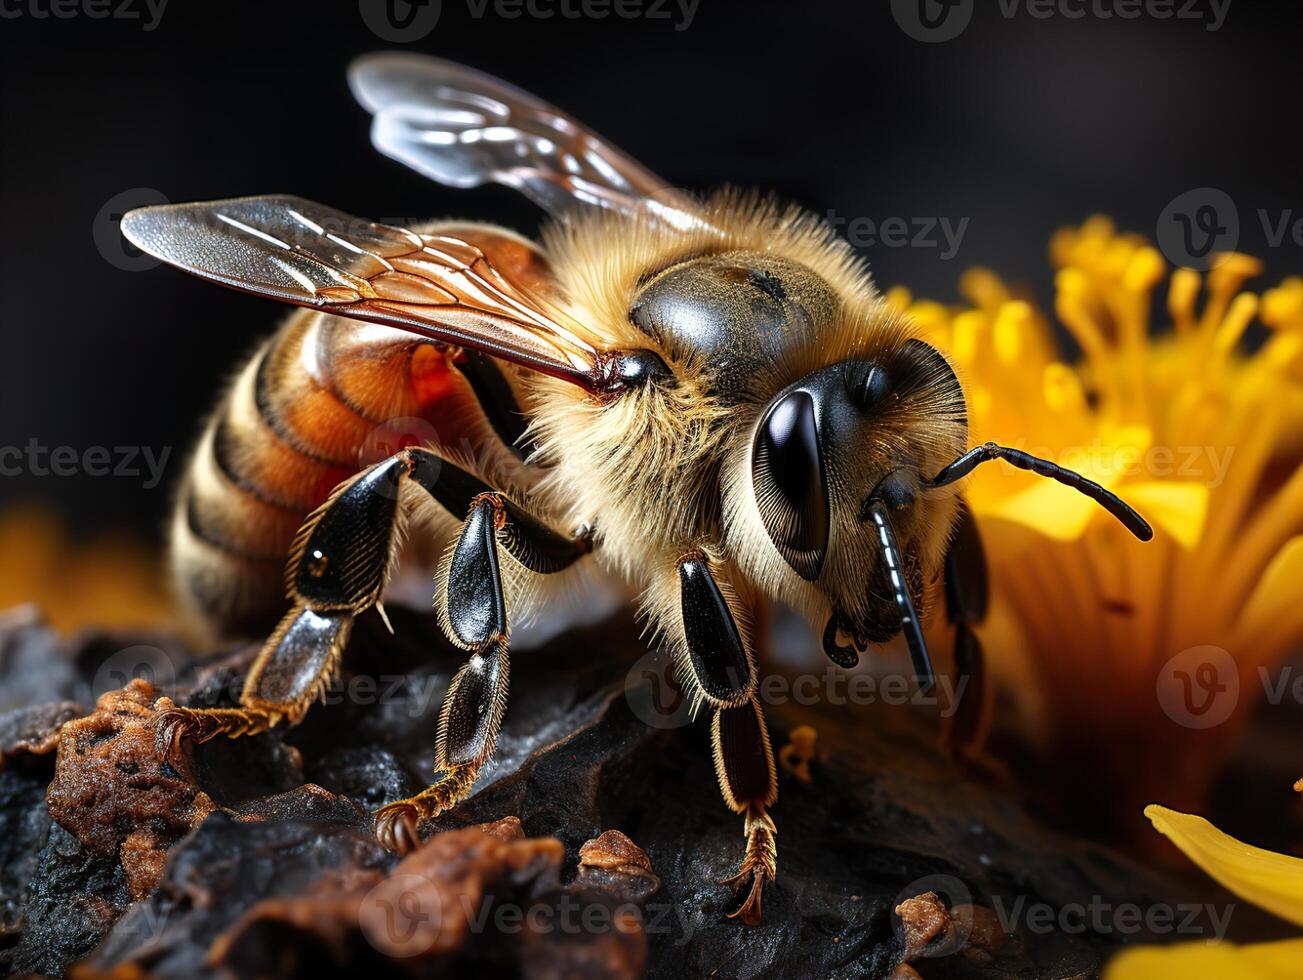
{"x":876,"y":511}
{"x":986,"y":452}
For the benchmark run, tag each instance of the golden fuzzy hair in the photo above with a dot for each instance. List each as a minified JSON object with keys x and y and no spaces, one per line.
{"x":666,"y":470}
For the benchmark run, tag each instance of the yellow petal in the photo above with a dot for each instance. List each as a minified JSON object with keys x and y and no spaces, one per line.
{"x":1272,"y":617}
{"x":1178,"y":507}
{"x":1145,"y":270}
{"x":1265,"y":878}
{"x":1195,"y":961}
{"x":1282,"y":307}
{"x":984,"y":289}
{"x":1128,"y":442}
{"x":1277,"y":590}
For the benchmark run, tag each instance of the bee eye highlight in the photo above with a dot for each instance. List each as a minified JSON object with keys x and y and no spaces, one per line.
{"x":787,"y":470}
{"x":875,"y":387}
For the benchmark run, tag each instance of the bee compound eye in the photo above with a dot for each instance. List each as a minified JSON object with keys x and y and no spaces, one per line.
{"x":791,"y":492}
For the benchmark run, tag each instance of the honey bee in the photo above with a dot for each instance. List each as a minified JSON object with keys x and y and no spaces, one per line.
{"x":707,"y":398}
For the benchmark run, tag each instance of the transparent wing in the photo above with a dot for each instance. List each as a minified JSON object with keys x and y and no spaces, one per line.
{"x":463,"y":128}
{"x":304,"y":253}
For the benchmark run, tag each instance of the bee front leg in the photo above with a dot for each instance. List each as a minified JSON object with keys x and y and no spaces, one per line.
{"x":474,"y":614}
{"x":721,"y":672}
{"x":338,"y":568}
{"x":744,"y":765}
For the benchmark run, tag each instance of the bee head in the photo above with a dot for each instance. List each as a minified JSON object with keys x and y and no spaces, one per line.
{"x":846,"y":440}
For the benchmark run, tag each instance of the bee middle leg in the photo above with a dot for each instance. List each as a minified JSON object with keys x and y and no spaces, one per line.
{"x":474,"y":614}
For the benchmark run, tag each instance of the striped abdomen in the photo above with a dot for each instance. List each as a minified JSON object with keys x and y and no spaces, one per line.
{"x":321,"y":400}
{"x":324,"y":398}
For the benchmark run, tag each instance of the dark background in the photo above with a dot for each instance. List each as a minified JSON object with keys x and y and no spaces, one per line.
{"x":1019,"y":125}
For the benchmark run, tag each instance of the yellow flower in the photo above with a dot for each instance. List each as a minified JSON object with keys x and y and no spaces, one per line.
{"x":1202,"y":436}
{"x":1272,"y":881}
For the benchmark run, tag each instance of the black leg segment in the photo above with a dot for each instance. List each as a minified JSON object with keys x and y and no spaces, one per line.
{"x":342,"y":554}
{"x":497,"y":400}
{"x":717,"y":654}
{"x":472,"y":712}
{"x":476,"y":608}
{"x":301,"y":654}
{"x":967,"y":592}
{"x":967,"y":598}
{"x":526,"y":539}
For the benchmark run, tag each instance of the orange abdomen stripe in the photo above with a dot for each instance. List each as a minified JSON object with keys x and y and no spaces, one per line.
{"x":320,"y":400}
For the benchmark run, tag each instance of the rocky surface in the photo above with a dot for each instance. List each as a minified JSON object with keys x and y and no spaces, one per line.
{"x":592,"y":847}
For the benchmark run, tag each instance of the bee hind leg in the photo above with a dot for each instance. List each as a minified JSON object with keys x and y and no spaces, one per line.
{"x":294,"y":668}
{"x":474,"y":615}
{"x":338,"y":567}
